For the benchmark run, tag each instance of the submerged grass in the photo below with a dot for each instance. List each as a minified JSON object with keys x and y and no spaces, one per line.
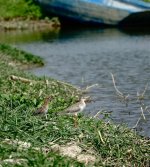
{"x":109,"y":144}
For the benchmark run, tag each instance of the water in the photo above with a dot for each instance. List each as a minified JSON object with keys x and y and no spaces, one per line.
{"x":85,"y":57}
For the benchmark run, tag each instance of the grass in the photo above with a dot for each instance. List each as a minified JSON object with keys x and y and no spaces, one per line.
{"x":19,"y":57}
{"x":19,"y":8}
{"x":110,"y":144}
{"x":25,"y":15}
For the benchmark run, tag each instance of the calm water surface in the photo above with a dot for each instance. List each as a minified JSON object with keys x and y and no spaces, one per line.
{"x":87,"y":57}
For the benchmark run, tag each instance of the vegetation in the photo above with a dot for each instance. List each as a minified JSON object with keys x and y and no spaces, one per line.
{"x":28,"y":140}
{"x":24,"y":15}
{"x":17,"y":56}
{"x":19,"y":8}
{"x":147,"y":0}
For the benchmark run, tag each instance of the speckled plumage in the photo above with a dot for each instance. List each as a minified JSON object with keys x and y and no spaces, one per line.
{"x":44,"y":108}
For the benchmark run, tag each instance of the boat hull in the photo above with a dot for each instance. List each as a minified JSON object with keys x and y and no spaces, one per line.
{"x":93,"y":11}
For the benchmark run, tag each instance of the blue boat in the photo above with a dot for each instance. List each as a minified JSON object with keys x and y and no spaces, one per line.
{"x":111,"y":12}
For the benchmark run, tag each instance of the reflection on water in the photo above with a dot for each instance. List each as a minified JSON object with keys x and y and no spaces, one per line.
{"x":88,"y":56}
{"x":26,"y":36}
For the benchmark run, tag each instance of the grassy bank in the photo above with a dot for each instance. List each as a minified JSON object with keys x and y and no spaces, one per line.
{"x":18,"y":58}
{"x":27,"y":140}
{"x":24,"y":15}
{"x":19,"y":8}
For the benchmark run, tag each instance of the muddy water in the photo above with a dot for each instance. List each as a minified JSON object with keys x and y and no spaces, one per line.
{"x":84,"y":57}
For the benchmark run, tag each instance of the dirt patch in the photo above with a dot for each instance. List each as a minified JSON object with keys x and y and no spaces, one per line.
{"x":14,"y":161}
{"x":71,"y":149}
{"x":21,"y":144}
{"x":86,"y":158}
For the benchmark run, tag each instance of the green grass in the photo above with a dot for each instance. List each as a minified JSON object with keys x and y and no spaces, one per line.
{"x":147,"y":0}
{"x":26,"y":9}
{"x":112,"y":145}
{"x":10,"y":54}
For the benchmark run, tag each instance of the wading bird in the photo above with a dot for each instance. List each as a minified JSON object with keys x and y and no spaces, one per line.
{"x":44,"y":108}
{"x":76,"y":108}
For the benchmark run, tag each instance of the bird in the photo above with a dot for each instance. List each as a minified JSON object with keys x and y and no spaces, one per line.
{"x":44,"y":108}
{"x":76,"y":108}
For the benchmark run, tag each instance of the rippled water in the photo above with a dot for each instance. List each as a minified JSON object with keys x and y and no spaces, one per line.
{"x":85,"y":57}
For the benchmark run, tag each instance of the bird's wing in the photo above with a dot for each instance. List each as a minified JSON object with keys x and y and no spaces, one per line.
{"x":38,"y":111}
{"x":72,"y":109}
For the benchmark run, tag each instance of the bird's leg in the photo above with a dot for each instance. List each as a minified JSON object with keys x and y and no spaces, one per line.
{"x":46,"y":116}
{"x":75,"y":120}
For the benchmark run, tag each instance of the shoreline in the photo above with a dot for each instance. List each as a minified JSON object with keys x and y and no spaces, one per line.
{"x":28,"y":140}
{"x":94,"y":142}
{"x":25,"y":24}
